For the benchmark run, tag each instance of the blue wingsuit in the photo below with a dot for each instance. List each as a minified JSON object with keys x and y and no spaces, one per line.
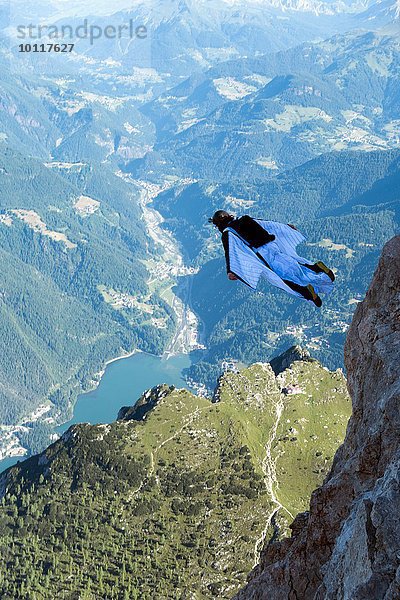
{"x":255,"y":248}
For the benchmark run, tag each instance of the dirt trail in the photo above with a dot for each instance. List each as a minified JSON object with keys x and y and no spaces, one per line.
{"x":271,"y":482}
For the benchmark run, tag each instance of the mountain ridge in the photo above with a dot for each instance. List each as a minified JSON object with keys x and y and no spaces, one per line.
{"x":157,"y":501}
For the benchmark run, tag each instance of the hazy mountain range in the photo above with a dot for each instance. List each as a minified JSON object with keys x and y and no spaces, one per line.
{"x":62,"y":8}
{"x":258,"y":108}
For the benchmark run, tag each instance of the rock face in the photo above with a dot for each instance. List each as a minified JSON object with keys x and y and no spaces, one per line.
{"x":347,"y":547}
{"x":285,"y":360}
{"x":145,"y":404}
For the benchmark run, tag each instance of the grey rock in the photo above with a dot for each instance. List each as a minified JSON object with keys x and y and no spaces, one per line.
{"x":284,"y":361}
{"x":147,"y":401}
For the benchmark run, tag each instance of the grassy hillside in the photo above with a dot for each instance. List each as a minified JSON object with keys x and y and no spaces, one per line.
{"x":157,"y":504}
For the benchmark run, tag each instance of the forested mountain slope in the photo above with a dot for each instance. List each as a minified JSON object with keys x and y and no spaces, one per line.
{"x":157,"y":503}
{"x":69,"y":234}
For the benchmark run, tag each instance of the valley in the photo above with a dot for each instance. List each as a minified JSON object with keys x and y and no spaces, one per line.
{"x":165,"y":272}
{"x":160,"y":425}
{"x":164,"y":282}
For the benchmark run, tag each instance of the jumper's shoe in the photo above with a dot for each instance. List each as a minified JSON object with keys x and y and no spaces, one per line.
{"x":315,"y":298}
{"x":326,"y":270}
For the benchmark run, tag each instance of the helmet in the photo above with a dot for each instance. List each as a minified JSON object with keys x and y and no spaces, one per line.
{"x":220,"y":217}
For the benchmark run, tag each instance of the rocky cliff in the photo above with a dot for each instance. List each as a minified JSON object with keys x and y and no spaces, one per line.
{"x":348,"y":545}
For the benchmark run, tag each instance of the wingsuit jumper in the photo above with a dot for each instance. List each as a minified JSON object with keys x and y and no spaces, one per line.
{"x":255,"y":248}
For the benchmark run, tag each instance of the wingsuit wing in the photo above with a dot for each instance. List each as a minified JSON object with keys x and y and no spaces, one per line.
{"x":285,"y":237}
{"x":243,"y":262}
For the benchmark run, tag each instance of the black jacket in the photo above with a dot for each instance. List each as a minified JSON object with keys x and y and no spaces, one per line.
{"x":250,"y":231}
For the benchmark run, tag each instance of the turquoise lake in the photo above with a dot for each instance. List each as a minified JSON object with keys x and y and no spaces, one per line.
{"x":121,"y":385}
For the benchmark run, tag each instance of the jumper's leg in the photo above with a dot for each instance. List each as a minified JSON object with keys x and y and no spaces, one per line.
{"x":307,"y":292}
{"x":320,"y":267}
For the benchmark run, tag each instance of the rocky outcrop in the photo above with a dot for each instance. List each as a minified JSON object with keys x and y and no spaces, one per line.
{"x":147,"y":401}
{"x":284,"y":361}
{"x":347,"y":547}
